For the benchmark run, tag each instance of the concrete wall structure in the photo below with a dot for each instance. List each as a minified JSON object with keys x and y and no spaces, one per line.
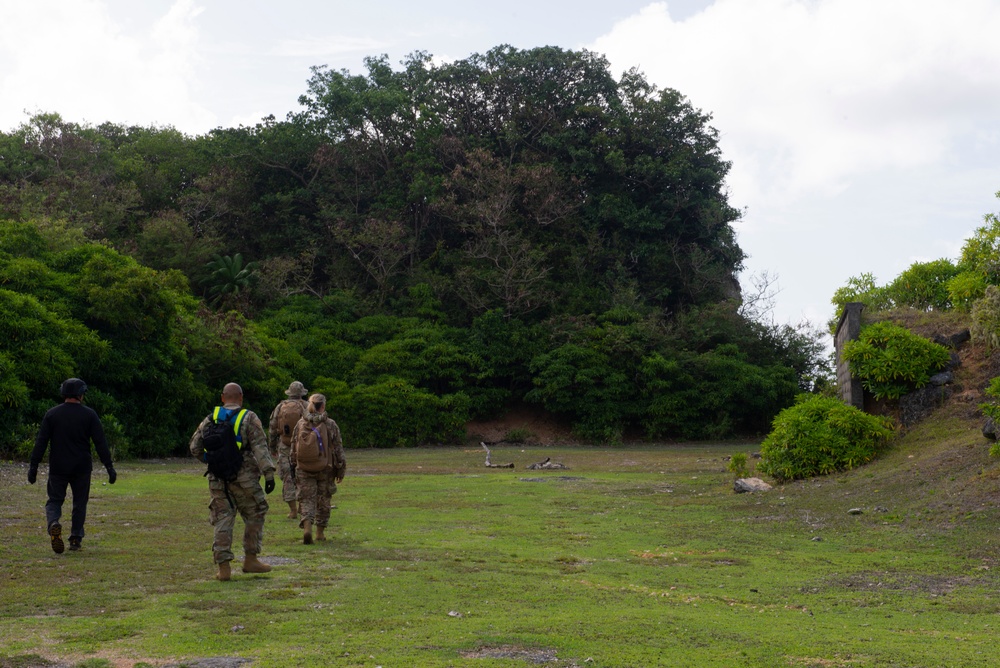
{"x":848,"y":329}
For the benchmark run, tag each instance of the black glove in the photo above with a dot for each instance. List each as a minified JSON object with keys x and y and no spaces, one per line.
{"x":268,"y":485}
{"x":32,"y":474}
{"x":112,"y":475}
{"x":293,"y":472}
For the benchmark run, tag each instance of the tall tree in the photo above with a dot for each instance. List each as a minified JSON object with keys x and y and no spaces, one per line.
{"x":539,"y":164}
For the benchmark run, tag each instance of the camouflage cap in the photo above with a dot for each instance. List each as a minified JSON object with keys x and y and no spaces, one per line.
{"x":296,"y":389}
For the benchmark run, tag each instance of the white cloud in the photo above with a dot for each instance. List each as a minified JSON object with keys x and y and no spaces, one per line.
{"x":862,"y":133}
{"x":809,"y":94}
{"x":72,"y":57}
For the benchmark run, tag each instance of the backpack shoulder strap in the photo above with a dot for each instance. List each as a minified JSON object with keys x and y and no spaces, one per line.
{"x":237,"y":423}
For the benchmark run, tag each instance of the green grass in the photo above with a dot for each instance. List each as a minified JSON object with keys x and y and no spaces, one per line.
{"x":631,"y":557}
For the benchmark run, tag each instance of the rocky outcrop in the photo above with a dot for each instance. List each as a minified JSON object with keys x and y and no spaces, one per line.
{"x":915,"y":406}
{"x":953,"y":341}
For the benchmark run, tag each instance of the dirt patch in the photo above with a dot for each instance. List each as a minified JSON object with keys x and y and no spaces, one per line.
{"x":921,"y":583}
{"x":211,"y":662}
{"x":512,"y":652}
{"x":523,"y":424}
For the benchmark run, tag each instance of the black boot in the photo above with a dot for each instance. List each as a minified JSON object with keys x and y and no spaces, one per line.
{"x":75,"y":543}
{"x":55,"y":533}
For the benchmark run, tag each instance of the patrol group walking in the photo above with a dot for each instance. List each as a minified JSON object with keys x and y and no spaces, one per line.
{"x":302,"y":443}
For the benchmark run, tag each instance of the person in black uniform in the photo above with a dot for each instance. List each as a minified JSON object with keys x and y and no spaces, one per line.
{"x":69,"y":427}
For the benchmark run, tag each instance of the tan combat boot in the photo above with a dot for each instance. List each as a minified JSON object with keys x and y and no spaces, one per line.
{"x":307,"y":534}
{"x":293,"y":510}
{"x":251,"y":565}
{"x":319,"y":533}
{"x":224,"y":572}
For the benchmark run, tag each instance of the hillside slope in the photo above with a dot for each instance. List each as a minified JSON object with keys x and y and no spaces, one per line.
{"x":938,"y":476}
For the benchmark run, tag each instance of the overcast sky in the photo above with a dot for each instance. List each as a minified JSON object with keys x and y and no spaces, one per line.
{"x":863,"y":133}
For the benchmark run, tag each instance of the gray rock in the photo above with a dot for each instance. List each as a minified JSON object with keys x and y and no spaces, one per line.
{"x":954,"y":361}
{"x":855,"y":511}
{"x":990,"y":429}
{"x":750,"y":485}
{"x":955,"y":340}
{"x":915,"y":406}
{"x":943,"y":378}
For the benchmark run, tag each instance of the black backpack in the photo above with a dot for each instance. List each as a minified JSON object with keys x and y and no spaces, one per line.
{"x":222,"y":442}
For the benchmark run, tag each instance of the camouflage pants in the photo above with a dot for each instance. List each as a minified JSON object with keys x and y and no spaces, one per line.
{"x":251,"y":504}
{"x":288,"y":492}
{"x":315,"y":490}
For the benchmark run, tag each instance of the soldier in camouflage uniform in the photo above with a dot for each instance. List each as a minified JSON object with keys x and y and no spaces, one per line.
{"x":247,"y":496}
{"x":317,"y":487}
{"x":281,"y":442}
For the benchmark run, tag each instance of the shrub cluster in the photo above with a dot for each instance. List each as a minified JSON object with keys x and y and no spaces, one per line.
{"x":821,"y":435}
{"x":991,"y":409}
{"x":891,"y":361}
{"x":937,"y":285}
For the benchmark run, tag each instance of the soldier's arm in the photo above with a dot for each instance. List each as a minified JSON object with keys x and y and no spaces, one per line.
{"x":100,"y":442}
{"x":340,"y":460}
{"x":195,"y":446}
{"x":273,"y":428}
{"x":294,"y":446}
{"x":41,"y":442}
{"x":258,"y":444}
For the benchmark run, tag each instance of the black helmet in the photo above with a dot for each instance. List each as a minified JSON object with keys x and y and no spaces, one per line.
{"x":72,"y":387}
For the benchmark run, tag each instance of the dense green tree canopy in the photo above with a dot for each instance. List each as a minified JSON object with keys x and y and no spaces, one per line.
{"x":517,"y":226}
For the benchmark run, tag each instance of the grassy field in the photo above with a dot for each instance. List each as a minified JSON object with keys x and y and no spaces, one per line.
{"x":634,"y":556}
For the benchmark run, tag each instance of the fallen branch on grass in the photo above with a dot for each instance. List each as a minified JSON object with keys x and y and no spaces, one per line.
{"x":547,"y":464}
{"x":491,"y":465}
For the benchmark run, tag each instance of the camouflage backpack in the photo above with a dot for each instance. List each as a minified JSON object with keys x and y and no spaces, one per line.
{"x":290,"y":412}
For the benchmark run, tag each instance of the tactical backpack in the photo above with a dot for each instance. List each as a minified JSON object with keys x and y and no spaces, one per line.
{"x":311,"y":451}
{"x":289,"y":413}
{"x":223,"y":444}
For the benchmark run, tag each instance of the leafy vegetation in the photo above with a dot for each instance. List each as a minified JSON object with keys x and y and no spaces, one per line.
{"x":821,"y":435}
{"x":738,"y":465}
{"x":445,"y":241}
{"x":890,"y":361}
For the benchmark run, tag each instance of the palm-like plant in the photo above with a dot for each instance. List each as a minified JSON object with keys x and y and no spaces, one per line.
{"x":228,"y":277}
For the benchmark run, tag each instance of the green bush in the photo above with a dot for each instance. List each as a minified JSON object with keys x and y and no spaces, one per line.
{"x":712,"y":395}
{"x":986,"y":318}
{"x":924,"y":285}
{"x":393,"y":413}
{"x":738,"y":465}
{"x":518,"y":435}
{"x":821,"y":435}
{"x":891,"y":361}
{"x":965,"y":288}
{"x":860,"y":289}
{"x":991,"y":409}
{"x":589,"y":386}
{"x":981,"y":251}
